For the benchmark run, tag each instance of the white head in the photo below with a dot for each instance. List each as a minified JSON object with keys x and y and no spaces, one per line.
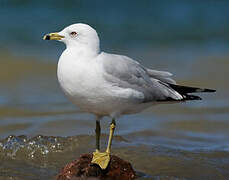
{"x":77,"y":36}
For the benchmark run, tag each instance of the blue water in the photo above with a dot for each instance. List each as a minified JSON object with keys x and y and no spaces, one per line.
{"x":122,"y":25}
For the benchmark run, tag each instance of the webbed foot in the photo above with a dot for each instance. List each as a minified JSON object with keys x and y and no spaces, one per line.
{"x":101,"y":158}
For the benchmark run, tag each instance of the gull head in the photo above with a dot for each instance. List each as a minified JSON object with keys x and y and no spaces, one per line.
{"x":77,"y":36}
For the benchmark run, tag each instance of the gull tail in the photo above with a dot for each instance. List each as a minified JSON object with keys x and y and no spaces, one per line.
{"x":184,"y":90}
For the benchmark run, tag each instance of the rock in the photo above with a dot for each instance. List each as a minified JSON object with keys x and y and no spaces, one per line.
{"x":82,"y":169}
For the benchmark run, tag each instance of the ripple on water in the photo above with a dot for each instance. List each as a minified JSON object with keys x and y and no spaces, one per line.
{"x":22,"y":147}
{"x":41,"y":157}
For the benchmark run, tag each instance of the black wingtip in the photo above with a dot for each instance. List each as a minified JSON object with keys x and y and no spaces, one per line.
{"x":187,"y":89}
{"x":191,"y":97}
{"x":209,"y":90}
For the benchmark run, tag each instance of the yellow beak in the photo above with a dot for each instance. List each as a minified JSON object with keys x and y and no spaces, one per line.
{"x":53,"y":36}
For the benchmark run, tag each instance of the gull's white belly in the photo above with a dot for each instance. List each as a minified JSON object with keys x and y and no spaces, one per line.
{"x":84,"y":85}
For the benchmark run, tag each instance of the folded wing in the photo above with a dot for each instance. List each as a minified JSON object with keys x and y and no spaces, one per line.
{"x":156,"y":86}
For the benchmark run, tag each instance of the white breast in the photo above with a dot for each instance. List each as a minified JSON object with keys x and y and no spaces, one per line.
{"x":75,"y":77}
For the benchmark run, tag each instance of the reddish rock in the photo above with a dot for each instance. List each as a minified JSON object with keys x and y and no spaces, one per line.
{"x":82,"y":169}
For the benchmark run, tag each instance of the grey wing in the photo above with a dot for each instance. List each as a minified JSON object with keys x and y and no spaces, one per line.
{"x":127,"y":73}
{"x":161,"y":75}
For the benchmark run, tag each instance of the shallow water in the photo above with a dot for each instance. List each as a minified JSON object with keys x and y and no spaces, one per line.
{"x":40,"y":130}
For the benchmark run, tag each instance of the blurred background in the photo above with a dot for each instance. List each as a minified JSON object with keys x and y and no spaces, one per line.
{"x":187,"y":38}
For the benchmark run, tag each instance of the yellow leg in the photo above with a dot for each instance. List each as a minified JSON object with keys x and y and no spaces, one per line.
{"x":112,"y":128}
{"x":103,"y":158}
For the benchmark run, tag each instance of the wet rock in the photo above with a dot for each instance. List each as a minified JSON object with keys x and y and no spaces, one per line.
{"x":82,"y":169}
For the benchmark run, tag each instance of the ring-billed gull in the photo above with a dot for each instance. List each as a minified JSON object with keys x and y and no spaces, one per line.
{"x":109,"y":84}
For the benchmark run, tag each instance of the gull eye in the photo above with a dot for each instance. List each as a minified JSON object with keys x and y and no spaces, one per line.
{"x":73,"y":33}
